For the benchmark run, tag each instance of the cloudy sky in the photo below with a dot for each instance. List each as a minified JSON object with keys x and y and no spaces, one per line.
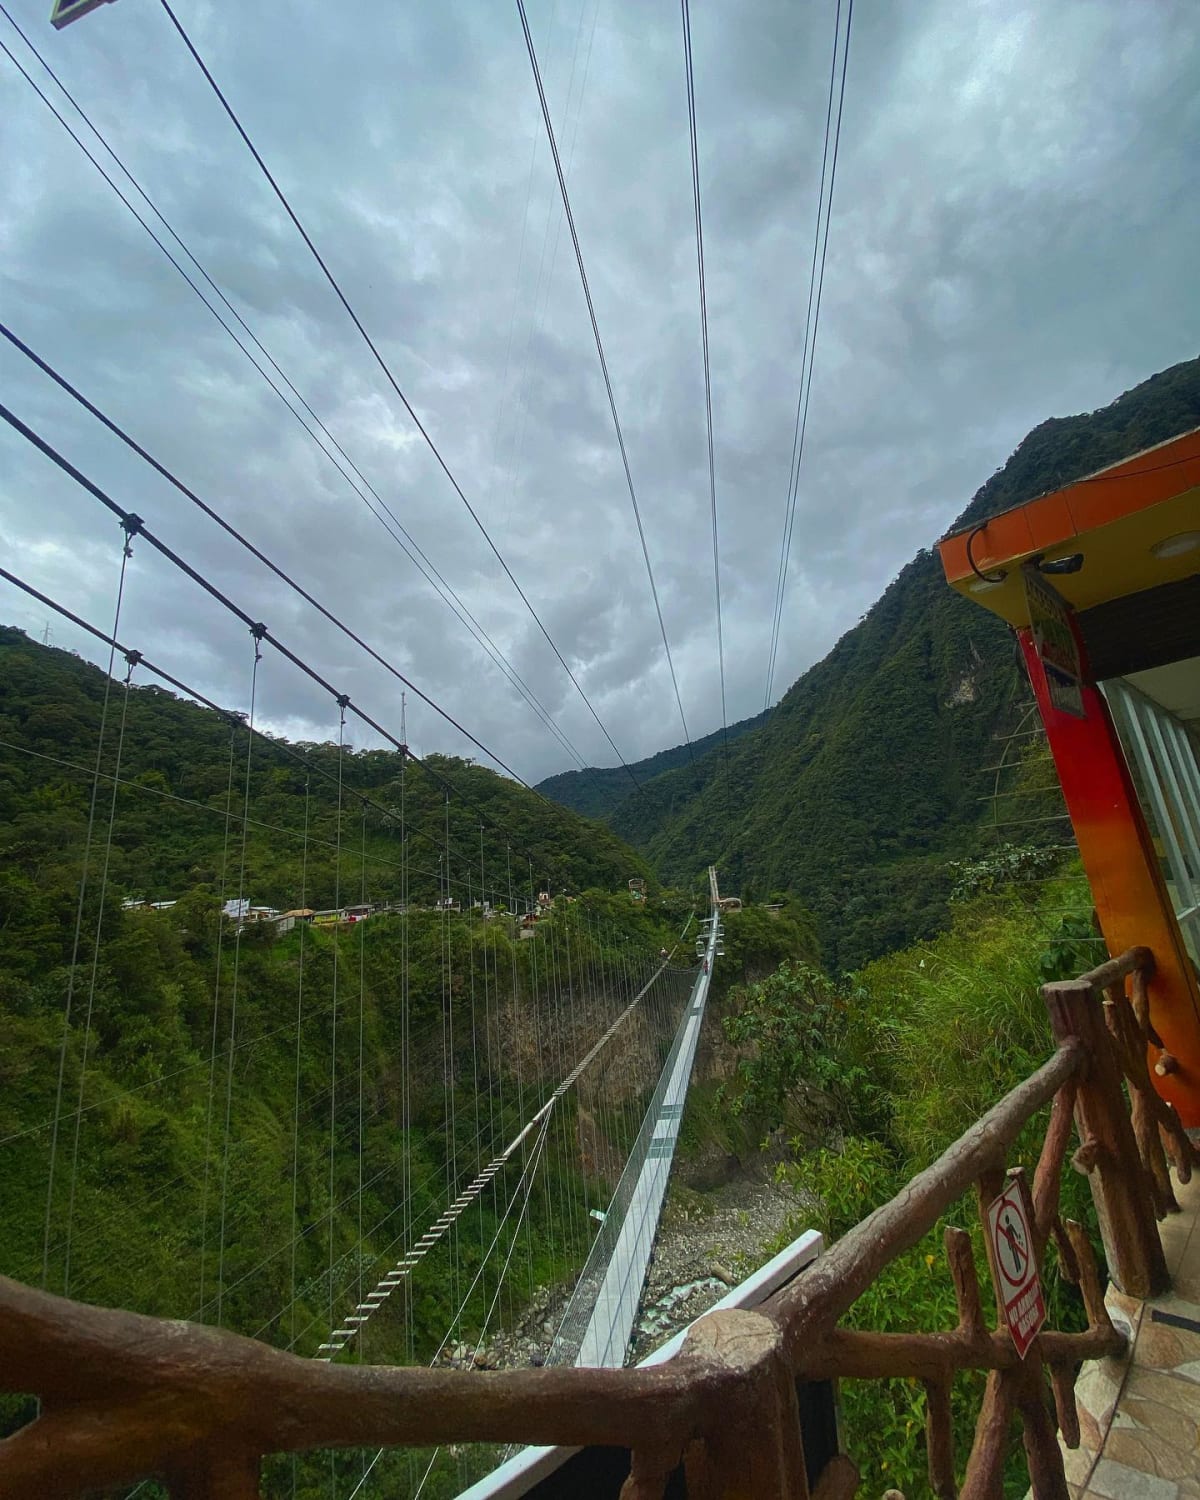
{"x":1014,"y":236}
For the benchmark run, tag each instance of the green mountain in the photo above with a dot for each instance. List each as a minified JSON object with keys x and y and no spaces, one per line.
{"x":244,"y":1077}
{"x":249,"y":1127}
{"x":867,"y":779}
{"x":180,"y":763}
{"x":599,"y":790}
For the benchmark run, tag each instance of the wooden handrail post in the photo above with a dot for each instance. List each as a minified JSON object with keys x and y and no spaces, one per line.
{"x":1108,"y":1153}
{"x":751,"y":1444}
{"x":217,"y":1476}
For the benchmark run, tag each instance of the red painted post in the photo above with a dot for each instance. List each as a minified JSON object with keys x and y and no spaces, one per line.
{"x":1122,"y":868}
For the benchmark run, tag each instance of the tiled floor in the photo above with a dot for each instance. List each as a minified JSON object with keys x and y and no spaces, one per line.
{"x":1139,"y":1417}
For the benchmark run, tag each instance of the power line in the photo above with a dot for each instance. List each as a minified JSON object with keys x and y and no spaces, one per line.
{"x":391,"y":379}
{"x":392,"y":524}
{"x":816,"y":282}
{"x":612,"y":404}
{"x":712,"y":469}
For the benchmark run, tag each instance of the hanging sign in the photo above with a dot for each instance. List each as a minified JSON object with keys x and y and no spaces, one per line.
{"x":1055,"y":643}
{"x":1015,"y":1268}
{"x":66,"y":11}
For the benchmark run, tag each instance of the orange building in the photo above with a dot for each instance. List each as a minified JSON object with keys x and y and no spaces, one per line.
{"x":1101,"y":582}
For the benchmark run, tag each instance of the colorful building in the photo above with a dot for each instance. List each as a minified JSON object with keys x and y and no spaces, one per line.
{"x":1101,"y":583}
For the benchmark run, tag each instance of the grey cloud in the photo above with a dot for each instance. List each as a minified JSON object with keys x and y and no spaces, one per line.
{"x":1013,"y":237}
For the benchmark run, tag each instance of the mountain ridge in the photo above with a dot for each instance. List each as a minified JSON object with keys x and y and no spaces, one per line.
{"x":860,"y":787}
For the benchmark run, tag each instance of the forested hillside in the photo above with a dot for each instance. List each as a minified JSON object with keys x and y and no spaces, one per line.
{"x":246,"y":1124}
{"x":597,"y":791}
{"x":866,"y":780}
{"x":180,"y":763}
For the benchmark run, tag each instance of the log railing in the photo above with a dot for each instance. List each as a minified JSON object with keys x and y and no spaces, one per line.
{"x":124,"y":1396}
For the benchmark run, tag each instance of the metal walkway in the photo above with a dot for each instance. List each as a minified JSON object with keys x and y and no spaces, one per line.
{"x":599,"y":1320}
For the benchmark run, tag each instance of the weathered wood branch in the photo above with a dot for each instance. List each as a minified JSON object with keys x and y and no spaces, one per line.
{"x":939,"y":1439}
{"x":125,"y":1395}
{"x":961,"y":1257}
{"x":832,"y":1285}
{"x":1047,"y":1178}
{"x":1119,"y":1184}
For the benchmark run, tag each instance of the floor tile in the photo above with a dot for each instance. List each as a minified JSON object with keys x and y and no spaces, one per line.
{"x":1078,"y":1464}
{"x":1119,"y":1482}
{"x":1149,"y":1453}
{"x":1162,"y":1347}
{"x":1175,"y":1303}
{"x":1167,"y":1389}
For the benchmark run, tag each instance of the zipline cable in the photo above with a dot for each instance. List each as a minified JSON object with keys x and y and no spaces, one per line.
{"x":708,"y":405}
{"x":392,"y":381}
{"x":612,"y":401}
{"x":392,"y":524}
{"x":811,"y":320}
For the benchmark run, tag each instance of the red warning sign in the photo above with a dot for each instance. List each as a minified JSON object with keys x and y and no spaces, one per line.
{"x":1016,"y":1273}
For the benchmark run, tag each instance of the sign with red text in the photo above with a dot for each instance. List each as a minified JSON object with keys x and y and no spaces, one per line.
{"x":1015,"y":1268}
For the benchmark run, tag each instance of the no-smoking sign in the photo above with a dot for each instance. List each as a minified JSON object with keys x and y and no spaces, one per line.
{"x":1017,"y":1278}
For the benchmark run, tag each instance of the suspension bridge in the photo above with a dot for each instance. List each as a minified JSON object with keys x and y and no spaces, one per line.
{"x":411,"y":1109}
{"x":352,"y":1051}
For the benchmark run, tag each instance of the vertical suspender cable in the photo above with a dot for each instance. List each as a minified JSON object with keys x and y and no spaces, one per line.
{"x":257,"y":632}
{"x":302,"y":923}
{"x":71,"y":972}
{"x":132,"y":660}
{"x":216,"y":1018}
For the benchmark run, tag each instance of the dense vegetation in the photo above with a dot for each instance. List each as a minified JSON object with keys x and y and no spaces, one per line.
{"x":867,"y":778}
{"x":221,"y":1088}
{"x":873,"y":1075}
{"x":598,"y":790}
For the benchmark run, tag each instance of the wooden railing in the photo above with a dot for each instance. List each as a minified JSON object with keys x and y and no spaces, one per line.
{"x":124,"y":1396}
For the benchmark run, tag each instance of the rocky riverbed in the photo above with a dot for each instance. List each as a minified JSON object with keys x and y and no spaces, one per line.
{"x":707,"y":1242}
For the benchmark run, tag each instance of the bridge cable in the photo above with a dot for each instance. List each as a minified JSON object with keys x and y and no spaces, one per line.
{"x":216,"y":1010}
{"x":362,"y":995}
{"x":89,"y":1011}
{"x":612,"y":403}
{"x":526,"y":1180}
{"x":400,"y":535}
{"x":210,"y":588}
{"x":337,"y":904}
{"x":78,"y":933}
{"x":233,"y":531}
{"x":811,"y":321}
{"x":685,"y":13}
{"x":392,"y":381}
{"x":406,"y":1059}
{"x":236,"y":719}
{"x":359,"y":484}
{"x":303,"y":924}
{"x":343,"y":1333}
{"x":242,"y":902}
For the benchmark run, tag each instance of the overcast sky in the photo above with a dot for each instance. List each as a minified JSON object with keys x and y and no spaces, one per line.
{"x":1014,"y":236}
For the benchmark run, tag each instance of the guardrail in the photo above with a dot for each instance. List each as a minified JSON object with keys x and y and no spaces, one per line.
{"x":124,"y":1396}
